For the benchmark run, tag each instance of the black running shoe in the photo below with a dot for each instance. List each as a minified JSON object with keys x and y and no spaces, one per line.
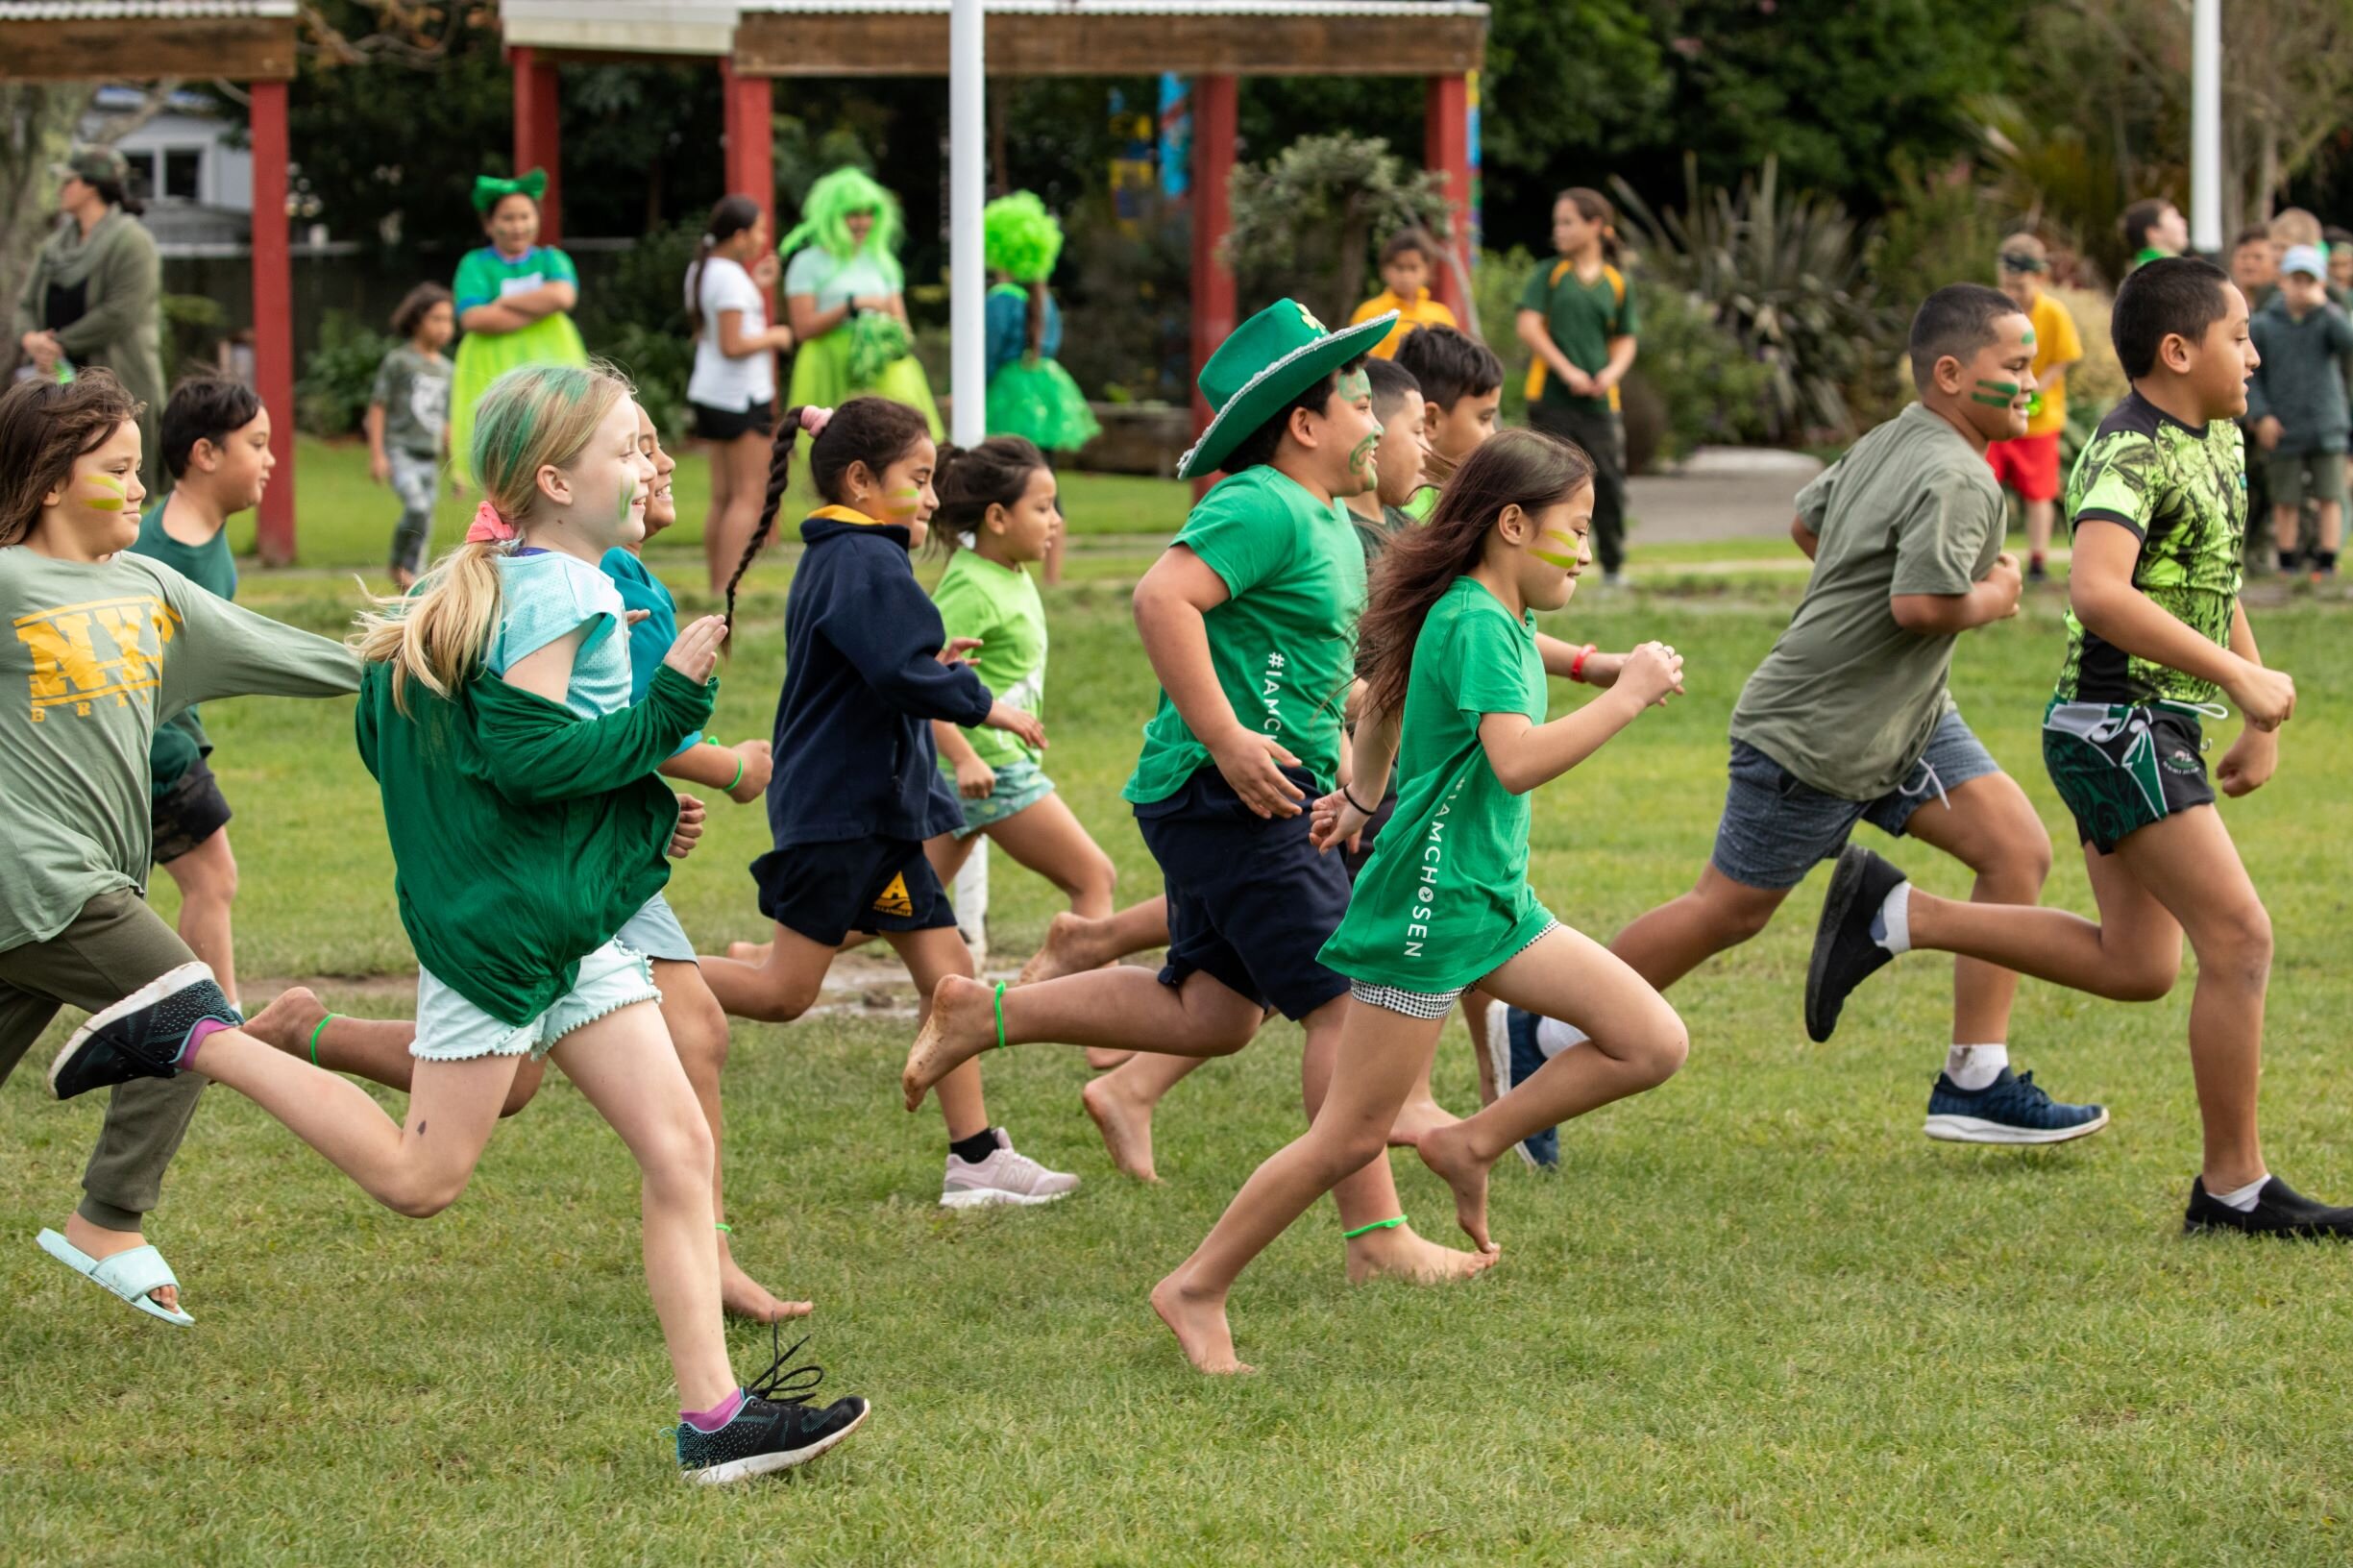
{"x":2280,"y":1210}
{"x":142,"y":1034}
{"x":775,"y":1430}
{"x":1843,"y":953}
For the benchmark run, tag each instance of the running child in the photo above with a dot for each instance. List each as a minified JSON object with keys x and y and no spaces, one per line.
{"x":857,"y":791}
{"x":408,"y":421}
{"x":1454,"y":692}
{"x":2155,"y":635}
{"x":525,"y":831}
{"x":105,"y":643}
{"x":1578,"y":318}
{"x":378,"y":1049}
{"x":216,"y":447}
{"x":1849,"y":720}
{"x":1462,"y":388}
{"x":1409,"y":261}
{"x":1249,"y":620}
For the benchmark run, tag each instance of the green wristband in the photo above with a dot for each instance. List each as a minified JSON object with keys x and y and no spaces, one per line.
{"x":739,"y":773}
{"x":1376,"y":1225}
{"x":315,"y":1033}
{"x":723,"y":1229}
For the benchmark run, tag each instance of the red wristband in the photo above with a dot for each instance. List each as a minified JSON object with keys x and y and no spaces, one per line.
{"x":1577,"y":666}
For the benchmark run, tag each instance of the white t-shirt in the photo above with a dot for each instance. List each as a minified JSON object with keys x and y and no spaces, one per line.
{"x":719,"y":382}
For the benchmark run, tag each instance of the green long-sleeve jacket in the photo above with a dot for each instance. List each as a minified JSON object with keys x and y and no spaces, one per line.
{"x":121,"y":323}
{"x":523,"y":835}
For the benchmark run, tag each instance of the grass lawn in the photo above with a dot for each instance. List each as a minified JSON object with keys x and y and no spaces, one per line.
{"x":1755,"y":1318}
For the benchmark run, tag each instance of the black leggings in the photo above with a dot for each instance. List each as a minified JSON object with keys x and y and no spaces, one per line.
{"x":1603,"y":440}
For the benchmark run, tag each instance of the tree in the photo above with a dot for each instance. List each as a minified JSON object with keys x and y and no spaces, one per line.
{"x":1305,"y":221}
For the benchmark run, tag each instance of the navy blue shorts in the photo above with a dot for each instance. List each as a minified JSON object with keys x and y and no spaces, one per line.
{"x":1250,"y":902}
{"x":827,"y":890}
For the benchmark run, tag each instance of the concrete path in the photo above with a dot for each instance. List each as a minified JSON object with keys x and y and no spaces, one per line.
{"x":1718,"y":493}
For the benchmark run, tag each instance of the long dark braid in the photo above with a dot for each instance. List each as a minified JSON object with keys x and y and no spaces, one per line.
{"x":779,"y":475}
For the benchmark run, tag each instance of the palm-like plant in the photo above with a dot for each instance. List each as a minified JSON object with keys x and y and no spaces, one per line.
{"x":1785,"y":276}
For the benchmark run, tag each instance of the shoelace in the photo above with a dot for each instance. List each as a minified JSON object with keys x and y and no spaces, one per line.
{"x":782,"y":1384}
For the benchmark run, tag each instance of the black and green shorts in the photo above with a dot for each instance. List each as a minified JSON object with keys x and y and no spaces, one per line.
{"x":2119,"y":769}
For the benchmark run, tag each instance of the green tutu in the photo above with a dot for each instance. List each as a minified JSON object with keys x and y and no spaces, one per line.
{"x":822,"y":379}
{"x":1038,"y":400}
{"x":482,"y":358}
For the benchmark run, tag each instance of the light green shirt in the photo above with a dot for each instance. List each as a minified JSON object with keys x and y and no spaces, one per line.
{"x":1847,"y":698}
{"x":1444,"y":900}
{"x":998,"y":604}
{"x":101,"y":650}
{"x":1284,"y":645}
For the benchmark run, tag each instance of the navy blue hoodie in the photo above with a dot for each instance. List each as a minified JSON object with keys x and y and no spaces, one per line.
{"x":862,"y":683}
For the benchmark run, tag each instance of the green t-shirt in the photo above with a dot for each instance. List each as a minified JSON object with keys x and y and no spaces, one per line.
{"x":998,"y":604}
{"x":2182,"y":491}
{"x":413,"y":390}
{"x":1444,"y":900}
{"x":182,"y":740}
{"x":485,"y":276}
{"x":1284,"y":645}
{"x":99,"y":652}
{"x":1847,"y":698}
{"x":1581,"y":318}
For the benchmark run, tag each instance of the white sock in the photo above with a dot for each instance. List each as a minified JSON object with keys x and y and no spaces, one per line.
{"x":2242,"y":1200}
{"x":1973,"y":1067}
{"x":1552,"y":1037}
{"x":1891,"y":927}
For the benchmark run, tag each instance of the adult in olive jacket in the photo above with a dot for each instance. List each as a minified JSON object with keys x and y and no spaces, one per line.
{"x":95,"y":294}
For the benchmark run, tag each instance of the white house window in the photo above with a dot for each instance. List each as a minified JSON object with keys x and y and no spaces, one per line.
{"x":182,"y":172}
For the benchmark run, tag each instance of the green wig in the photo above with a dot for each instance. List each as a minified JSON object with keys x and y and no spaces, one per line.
{"x":825,"y":214}
{"x":1022,"y":238}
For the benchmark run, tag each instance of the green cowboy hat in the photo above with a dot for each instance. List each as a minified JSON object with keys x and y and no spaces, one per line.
{"x":1270,"y":361}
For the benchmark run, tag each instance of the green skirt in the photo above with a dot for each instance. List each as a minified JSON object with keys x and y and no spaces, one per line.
{"x":482,"y":358}
{"x":820,"y":380}
{"x":1042,"y":401}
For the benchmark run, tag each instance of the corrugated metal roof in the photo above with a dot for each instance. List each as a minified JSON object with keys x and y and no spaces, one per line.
{"x":686,"y":27}
{"x":109,"y":11}
{"x":1137,"y":7}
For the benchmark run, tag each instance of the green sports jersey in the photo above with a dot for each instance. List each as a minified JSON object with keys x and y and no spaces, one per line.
{"x":2182,"y":491}
{"x":1444,"y":900}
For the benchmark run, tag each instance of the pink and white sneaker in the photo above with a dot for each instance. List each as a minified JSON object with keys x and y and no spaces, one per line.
{"x":1006,"y":1176}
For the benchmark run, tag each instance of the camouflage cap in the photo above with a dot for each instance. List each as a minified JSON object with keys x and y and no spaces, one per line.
{"x":98,"y":165}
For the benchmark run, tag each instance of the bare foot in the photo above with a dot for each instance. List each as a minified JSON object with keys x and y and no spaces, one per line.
{"x":963,"y":1024}
{"x":740,"y":1295}
{"x":1446,"y":1151}
{"x":1199,"y":1326}
{"x":1400,"y":1255}
{"x":751,"y":952}
{"x":1126,"y":1128}
{"x":1102,"y":1058}
{"x":1416,"y":1117}
{"x":286,"y":1022}
{"x":1073,"y":945}
{"x":101,"y":1244}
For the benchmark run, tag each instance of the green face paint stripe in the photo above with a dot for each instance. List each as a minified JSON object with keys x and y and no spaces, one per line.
{"x":2006,"y":388}
{"x":2029,"y":338}
{"x":1568,"y":562}
{"x":1354,"y":386}
{"x":1363,"y":451}
{"x":1990,"y":401}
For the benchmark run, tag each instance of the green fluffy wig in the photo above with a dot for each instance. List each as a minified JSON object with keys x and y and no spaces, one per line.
{"x":825,"y":214}
{"x":1022,"y":240}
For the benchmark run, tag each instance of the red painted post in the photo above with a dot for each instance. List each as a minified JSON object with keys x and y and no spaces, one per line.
{"x":1215,"y":103}
{"x":274,"y":315}
{"x":539,"y":135}
{"x":1446,"y":149}
{"x":748,"y":113}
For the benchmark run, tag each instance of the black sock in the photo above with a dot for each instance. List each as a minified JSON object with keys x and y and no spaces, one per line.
{"x":2325,"y":560}
{"x":2286,"y":560}
{"x":976,"y":1148}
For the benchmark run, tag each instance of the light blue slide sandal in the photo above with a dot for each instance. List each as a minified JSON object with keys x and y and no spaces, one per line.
{"x":130,"y":1275}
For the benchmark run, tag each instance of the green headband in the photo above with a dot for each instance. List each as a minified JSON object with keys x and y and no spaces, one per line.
{"x":489,"y":190}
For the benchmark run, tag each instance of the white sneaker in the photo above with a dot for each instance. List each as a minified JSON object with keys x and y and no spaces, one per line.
{"x":1006,"y":1176}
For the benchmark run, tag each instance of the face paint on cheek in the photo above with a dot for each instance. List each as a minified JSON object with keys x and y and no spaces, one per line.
{"x":1995,"y":393}
{"x":1566,"y":563}
{"x":896,"y":503}
{"x":1360,"y":458}
{"x":112,"y":494}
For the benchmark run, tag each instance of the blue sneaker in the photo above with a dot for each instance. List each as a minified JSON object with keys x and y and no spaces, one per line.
{"x":1513,"y":1056}
{"x":2012,"y":1108}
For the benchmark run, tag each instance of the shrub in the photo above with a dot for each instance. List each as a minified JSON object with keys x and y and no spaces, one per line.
{"x":193,"y":325}
{"x":331,"y":396}
{"x":1305,"y":221}
{"x":1712,"y":392}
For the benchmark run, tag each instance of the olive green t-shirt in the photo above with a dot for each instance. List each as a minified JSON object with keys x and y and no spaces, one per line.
{"x":1284,"y":645}
{"x":181,"y":739}
{"x":1847,"y":698}
{"x":1444,"y":900}
{"x":1581,"y":318}
{"x":998,"y":604}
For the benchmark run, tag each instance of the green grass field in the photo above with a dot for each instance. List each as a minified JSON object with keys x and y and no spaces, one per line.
{"x":1755,"y":1317}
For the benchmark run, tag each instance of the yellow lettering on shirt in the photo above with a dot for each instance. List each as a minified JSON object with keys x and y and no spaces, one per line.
{"x":86,"y":654}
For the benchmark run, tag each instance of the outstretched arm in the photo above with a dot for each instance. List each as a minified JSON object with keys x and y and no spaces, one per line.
{"x":1525,"y":754}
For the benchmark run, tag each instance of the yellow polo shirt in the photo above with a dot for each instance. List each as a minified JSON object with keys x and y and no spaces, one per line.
{"x":1424,"y":311}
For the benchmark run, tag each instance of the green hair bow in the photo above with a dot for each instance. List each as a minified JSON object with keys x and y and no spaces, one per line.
{"x":489,"y":190}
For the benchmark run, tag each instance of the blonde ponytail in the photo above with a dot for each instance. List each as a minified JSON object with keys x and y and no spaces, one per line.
{"x":533,"y":418}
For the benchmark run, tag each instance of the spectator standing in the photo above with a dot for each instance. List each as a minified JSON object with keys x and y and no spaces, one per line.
{"x":2297,"y":408}
{"x":2028,"y":465}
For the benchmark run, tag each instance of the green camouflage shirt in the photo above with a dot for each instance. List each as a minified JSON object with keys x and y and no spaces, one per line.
{"x":2182,"y":491}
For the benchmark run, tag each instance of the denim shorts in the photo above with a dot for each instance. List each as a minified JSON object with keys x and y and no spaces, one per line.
{"x":1776,"y":826}
{"x":451,"y":1029}
{"x":1019,"y":786}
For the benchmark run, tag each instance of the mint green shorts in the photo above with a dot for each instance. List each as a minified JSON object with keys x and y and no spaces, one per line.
{"x":1019,"y":786}
{"x":451,"y":1029}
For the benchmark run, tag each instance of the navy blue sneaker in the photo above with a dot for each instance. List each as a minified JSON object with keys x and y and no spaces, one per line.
{"x":1845,"y":953}
{"x":2012,"y":1108}
{"x":1513,"y":1056}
